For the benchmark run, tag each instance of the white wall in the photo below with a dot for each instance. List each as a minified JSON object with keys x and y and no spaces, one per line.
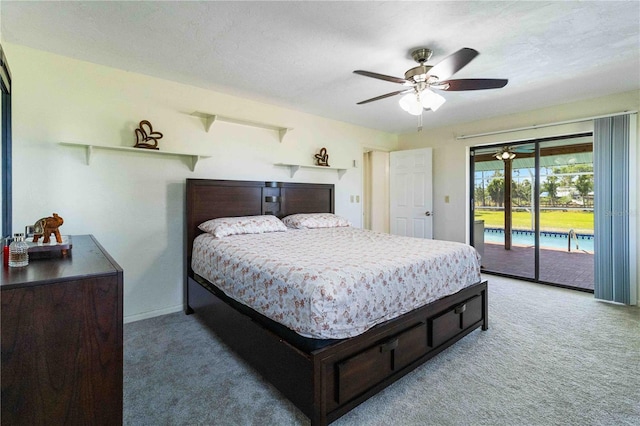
{"x":134,"y":202}
{"x":451,"y":156}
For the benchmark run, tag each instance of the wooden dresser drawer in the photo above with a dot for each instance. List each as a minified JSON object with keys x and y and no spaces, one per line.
{"x":448,"y":324}
{"x":379,"y":361}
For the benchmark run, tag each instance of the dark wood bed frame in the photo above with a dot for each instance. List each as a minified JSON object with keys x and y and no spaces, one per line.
{"x":323,"y":378}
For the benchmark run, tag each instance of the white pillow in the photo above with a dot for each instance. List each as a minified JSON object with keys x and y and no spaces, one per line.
{"x":225,"y":226}
{"x":315,"y":220}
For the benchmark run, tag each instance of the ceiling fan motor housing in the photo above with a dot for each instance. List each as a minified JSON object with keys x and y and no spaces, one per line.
{"x":421,"y":55}
{"x":417,"y":74}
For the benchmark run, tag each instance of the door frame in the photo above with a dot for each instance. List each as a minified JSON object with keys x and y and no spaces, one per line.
{"x":367,"y":186}
{"x":536,"y":207}
{"x":7,"y":198}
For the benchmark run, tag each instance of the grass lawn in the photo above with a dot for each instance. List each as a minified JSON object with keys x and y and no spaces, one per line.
{"x":581,"y":222}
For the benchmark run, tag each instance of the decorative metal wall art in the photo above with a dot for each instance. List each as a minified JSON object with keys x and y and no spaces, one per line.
{"x":322,"y":158}
{"x":145,"y":136}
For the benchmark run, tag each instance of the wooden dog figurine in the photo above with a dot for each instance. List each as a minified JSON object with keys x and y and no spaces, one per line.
{"x":47,"y":226}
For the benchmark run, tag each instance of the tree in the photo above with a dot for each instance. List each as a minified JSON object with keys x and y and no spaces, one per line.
{"x":480,"y":196}
{"x":551,"y":187}
{"x":522,"y":192}
{"x":573,"y":168}
{"x":584,"y":172}
{"x":584,"y":185}
{"x":495,"y":189}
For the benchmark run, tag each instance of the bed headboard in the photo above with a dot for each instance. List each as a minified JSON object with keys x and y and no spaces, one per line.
{"x":210,"y":199}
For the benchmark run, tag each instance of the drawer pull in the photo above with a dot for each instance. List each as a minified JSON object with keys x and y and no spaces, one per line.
{"x":389,"y":346}
{"x":460,"y":308}
{"x":271,"y":199}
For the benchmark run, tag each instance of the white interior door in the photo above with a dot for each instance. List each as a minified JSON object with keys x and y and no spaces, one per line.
{"x":410,"y":187}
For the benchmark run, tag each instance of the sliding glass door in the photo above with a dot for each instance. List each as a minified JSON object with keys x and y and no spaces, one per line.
{"x":566,"y":213}
{"x":534,"y":204}
{"x":505,"y":208}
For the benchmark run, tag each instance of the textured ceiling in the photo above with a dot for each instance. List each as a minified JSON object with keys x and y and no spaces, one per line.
{"x":301,"y":55}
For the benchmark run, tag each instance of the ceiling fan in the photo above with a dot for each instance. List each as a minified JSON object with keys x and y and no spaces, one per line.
{"x":509,"y":152}
{"x":422,"y":78}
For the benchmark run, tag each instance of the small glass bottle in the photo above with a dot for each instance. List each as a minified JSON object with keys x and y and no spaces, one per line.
{"x":18,"y":251}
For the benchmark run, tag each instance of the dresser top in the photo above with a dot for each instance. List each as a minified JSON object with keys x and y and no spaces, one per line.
{"x":87,"y":258}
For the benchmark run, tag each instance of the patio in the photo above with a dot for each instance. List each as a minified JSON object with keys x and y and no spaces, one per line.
{"x":573,"y":269}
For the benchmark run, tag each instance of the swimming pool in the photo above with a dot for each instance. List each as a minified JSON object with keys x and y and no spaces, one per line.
{"x":555,"y":240}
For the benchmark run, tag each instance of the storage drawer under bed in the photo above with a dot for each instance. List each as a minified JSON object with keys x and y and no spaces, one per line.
{"x":450,"y":323}
{"x":362,"y":371}
{"x":366,"y":369}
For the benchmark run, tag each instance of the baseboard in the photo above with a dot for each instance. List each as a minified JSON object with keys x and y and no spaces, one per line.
{"x":151,"y":314}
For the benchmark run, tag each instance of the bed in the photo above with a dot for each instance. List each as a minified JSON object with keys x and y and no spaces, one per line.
{"x":324,"y":372}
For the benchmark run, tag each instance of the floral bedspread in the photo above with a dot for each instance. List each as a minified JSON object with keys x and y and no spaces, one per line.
{"x":334,"y":283}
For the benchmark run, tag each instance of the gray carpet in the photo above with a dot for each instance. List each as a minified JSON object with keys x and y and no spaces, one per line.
{"x":550,"y":357}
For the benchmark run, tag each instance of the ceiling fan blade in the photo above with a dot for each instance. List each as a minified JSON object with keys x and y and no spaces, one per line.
{"x":377,"y":98}
{"x":384,"y":77}
{"x":470,"y":84}
{"x":523,"y":150}
{"x":453,"y":63}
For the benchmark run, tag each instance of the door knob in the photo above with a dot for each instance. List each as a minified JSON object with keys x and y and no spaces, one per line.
{"x":427,"y":213}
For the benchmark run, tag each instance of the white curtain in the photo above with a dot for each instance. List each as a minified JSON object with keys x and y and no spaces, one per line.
{"x":614,"y":189}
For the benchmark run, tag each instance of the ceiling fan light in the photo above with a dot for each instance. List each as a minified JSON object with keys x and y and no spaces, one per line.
{"x":431,"y":100}
{"x":411,"y":104}
{"x":405,"y":101}
{"x":416,"y":109}
{"x":505,"y":155}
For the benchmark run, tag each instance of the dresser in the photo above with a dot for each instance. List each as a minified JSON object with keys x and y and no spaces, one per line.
{"x":61,"y":333}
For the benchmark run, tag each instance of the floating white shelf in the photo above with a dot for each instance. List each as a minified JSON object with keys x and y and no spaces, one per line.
{"x":209,"y":119}
{"x":293,"y":168}
{"x":90,"y":148}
